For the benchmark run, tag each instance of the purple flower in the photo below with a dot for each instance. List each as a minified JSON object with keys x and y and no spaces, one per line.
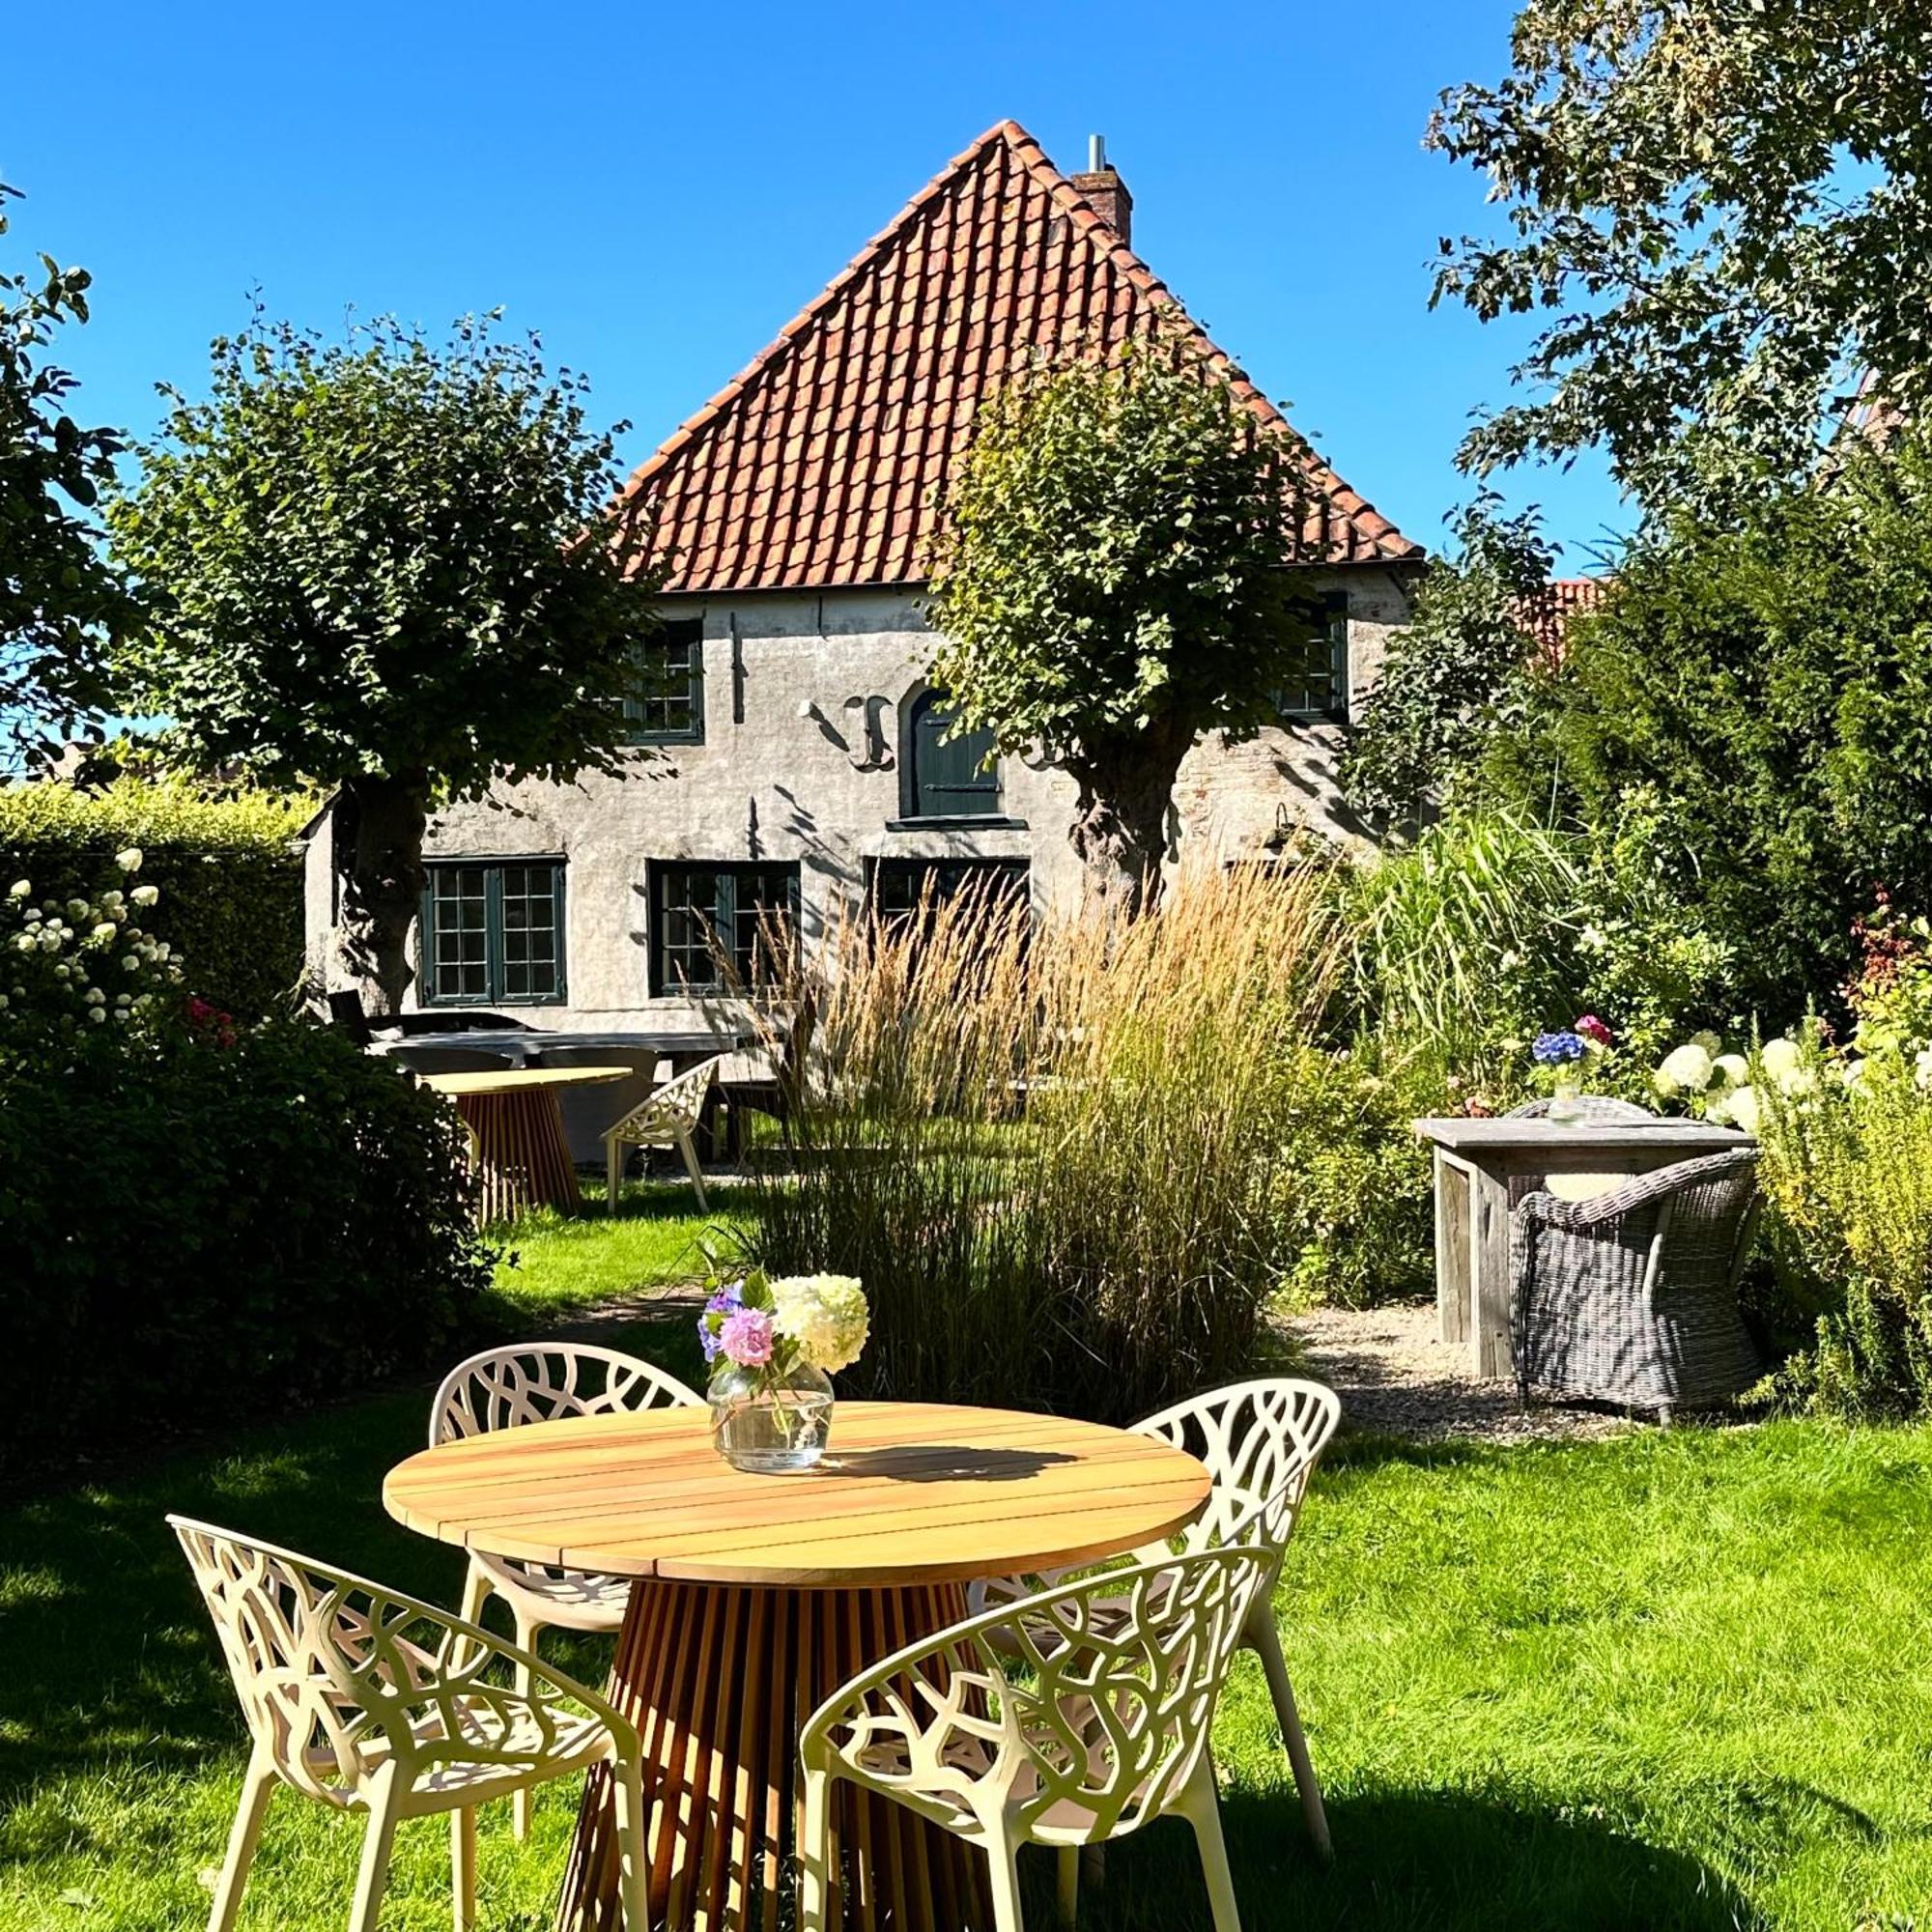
{"x":1557,"y":1049}
{"x":725,"y":1302}
{"x":745,"y":1337}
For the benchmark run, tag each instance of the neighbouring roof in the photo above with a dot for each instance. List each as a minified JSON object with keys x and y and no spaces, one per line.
{"x":1548,"y":618}
{"x":824,"y":462}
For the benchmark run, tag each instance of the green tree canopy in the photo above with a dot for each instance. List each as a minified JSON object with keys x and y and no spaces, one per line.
{"x":383,"y":565}
{"x":1116,"y":581}
{"x":1754,"y":707}
{"x":1448,"y":681}
{"x":58,"y":599}
{"x":1726,"y":207}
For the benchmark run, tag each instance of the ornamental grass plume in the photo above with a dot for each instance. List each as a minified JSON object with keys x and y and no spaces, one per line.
{"x":1055,"y":1150}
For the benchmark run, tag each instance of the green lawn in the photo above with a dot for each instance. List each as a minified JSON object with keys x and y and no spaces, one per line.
{"x":553,"y":1263}
{"x":1664,"y":1681}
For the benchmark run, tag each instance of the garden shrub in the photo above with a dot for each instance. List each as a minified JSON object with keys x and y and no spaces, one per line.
{"x":200,"y":1217}
{"x":227,"y":868}
{"x":1756,"y":698}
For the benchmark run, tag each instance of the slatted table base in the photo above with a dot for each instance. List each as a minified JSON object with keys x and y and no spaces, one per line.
{"x":522,"y":1155}
{"x":720,"y":1680}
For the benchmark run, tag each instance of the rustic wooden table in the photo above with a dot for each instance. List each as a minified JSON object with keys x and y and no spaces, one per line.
{"x":1483,"y":1168}
{"x":758,"y":1595}
{"x":523,"y":1154}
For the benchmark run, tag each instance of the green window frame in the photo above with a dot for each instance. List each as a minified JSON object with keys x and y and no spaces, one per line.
{"x":955,"y":778}
{"x":742,"y":904}
{"x":668,"y":705}
{"x":895,"y":886}
{"x":1321,"y":692}
{"x":493,"y":933}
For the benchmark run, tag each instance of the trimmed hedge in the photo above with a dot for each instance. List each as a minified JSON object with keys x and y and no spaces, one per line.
{"x":228,"y":873}
{"x":193,"y":1229}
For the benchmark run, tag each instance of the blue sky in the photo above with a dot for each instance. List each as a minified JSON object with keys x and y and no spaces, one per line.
{"x":656,"y":188}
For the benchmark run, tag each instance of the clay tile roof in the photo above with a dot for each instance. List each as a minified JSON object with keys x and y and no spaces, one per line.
{"x":824,"y":462}
{"x":1548,"y":618}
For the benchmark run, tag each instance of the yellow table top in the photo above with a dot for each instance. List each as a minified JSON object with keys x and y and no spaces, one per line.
{"x":907,"y":1493}
{"x":515,"y":1079}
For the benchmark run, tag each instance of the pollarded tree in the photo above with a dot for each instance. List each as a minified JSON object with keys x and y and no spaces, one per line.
{"x":382,"y":565}
{"x":1117,"y":581}
{"x":58,"y":600}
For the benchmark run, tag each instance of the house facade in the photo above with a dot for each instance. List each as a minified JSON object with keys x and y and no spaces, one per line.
{"x":793,"y":760}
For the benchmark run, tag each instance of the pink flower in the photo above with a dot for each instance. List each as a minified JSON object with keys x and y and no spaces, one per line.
{"x":1592,"y":1028}
{"x":745,"y":1337}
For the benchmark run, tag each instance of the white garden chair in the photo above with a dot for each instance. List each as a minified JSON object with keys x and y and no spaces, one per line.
{"x":1104,"y":1730}
{"x":669,"y":1118}
{"x":1260,"y":1441}
{"x":374,"y":1702}
{"x":546,"y":1381}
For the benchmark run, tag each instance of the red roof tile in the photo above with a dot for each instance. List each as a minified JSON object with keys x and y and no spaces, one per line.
{"x":824,"y":462}
{"x":1548,"y":618}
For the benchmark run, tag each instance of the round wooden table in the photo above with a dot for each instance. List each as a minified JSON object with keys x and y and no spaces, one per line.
{"x":516,"y":1126}
{"x":758,"y":1595}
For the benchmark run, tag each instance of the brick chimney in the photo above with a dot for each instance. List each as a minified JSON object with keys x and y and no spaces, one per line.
{"x":1106,"y":193}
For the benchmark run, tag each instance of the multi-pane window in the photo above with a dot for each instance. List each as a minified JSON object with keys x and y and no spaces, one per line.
{"x":896,"y":887}
{"x":493,"y":933}
{"x":947,"y":776}
{"x":667,"y":707}
{"x":706,"y":913}
{"x":1321,"y":690}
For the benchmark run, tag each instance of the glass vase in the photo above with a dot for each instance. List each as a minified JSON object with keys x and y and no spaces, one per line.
{"x":1565,"y":1101}
{"x":769,"y":1421}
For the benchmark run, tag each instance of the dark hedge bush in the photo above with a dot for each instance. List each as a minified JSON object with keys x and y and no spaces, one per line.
{"x":228,"y":868}
{"x":191,"y":1230}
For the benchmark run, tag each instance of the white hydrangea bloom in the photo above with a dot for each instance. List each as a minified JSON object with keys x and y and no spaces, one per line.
{"x":1779,"y":1058}
{"x":20,"y":889}
{"x":129,"y":860}
{"x":1688,"y":1068}
{"x":78,"y":908}
{"x":1734,"y":1069}
{"x":144,"y":895}
{"x":1741,"y":1106}
{"x":825,"y":1314}
{"x":105,"y":932}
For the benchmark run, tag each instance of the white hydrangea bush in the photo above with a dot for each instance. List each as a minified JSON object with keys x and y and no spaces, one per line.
{"x":74,"y":965}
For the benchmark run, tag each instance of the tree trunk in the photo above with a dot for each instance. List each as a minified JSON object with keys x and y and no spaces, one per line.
{"x":378,"y":840}
{"x":1120,"y":821}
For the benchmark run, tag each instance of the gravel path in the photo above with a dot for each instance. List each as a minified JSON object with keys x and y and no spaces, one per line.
{"x":1396,"y":1378}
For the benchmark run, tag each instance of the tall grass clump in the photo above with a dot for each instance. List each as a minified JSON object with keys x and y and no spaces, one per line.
{"x":1054,"y":1149}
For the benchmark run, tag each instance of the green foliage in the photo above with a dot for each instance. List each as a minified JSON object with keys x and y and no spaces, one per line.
{"x":1848,"y":1169}
{"x":1354,"y":1205}
{"x":189,"y":1226}
{"x":1113,"y":585}
{"x":57,"y":598}
{"x":226,"y":869}
{"x":1491,"y":928}
{"x":1749,"y":712}
{"x":1723,"y":205}
{"x":383,"y":557}
{"x":1448,"y":679}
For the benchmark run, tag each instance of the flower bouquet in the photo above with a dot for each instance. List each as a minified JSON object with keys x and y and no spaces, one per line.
{"x":1563,"y":1053}
{"x":773,"y":1346}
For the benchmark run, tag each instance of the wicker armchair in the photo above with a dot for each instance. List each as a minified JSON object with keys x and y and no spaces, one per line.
{"x":1630,"y":1296}
{"x":1593,"y":1109}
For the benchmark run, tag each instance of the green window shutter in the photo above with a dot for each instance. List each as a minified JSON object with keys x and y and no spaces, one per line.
{"x":956,"y":777}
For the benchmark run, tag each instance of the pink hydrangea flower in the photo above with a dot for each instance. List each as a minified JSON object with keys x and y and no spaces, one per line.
{"x":1592,"y":1029}
{"x":745,"y":1337}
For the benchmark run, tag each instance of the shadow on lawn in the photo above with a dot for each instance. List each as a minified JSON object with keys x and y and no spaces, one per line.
{"x":1412,"y":1862}
{"x":110,"y":1657}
